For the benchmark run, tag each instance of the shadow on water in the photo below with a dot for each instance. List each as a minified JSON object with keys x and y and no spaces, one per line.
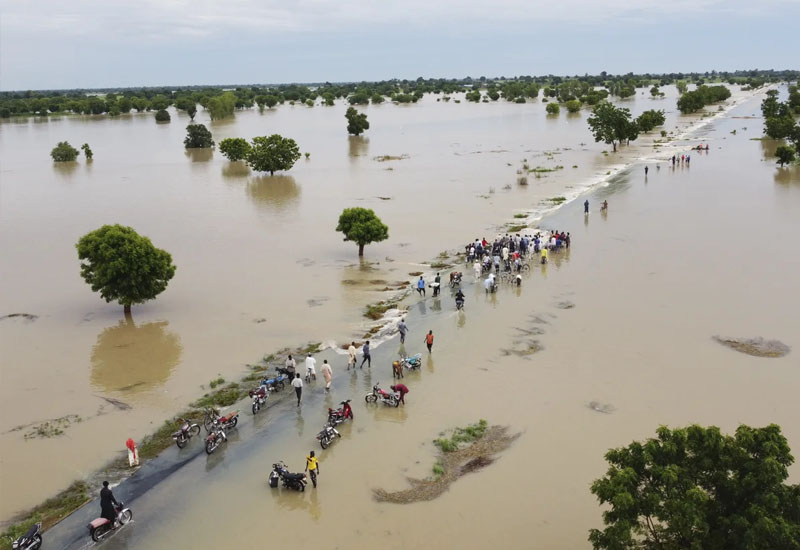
{"x":65,"y":169}
{"x":358,"y":146}
{"x":129,"y":357}
{"x":235,"y":170}
{"x":199,"y":155}
{"x":274,"y":192}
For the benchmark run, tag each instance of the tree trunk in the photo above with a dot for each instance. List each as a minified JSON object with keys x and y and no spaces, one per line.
{"x":127,"y":311}
{"x":360,"y":250}
{"x":614,"y":143}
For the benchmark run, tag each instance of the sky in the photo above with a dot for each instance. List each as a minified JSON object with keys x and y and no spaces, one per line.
{"x":62,"y":44}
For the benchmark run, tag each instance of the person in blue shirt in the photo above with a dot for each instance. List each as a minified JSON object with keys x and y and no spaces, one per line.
{"x":367,"y":357}
{"x":586,"y":206}
{"x":421,"y":286}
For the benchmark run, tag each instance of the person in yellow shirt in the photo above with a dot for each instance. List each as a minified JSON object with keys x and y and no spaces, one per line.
{"x":544,"y":255}
{"x":312,"y":467}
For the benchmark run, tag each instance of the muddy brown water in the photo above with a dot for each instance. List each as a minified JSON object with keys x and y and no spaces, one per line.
{"x":677,"y":259}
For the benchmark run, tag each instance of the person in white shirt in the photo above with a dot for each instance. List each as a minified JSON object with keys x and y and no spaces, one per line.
{"x":351,"y":359}
{"x":476,"y":267}
{"x":327,"y":374}
{"x":311,"y":368}
{"x":488,"y":283}
{"x":297,"y":383}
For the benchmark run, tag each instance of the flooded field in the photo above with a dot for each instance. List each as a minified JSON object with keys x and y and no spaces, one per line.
{"x":259,"y":267}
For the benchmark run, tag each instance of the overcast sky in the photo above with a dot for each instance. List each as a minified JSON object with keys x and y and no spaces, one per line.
{"x":47,"y":44}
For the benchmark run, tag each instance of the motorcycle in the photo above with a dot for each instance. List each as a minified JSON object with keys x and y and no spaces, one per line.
{"x":187,"y":431}
{"x":276,"y":383}
{"x":412,"y":363}
{"x":455,"y":279}
{"x":459,"y":304}
{"x":227,"y":422}
{"x":327,"y":435}
{"x":32,"y":540}
{"x":100,"y":527}
{"x":382,"y":395}
{"x":259,"y":396}
{"x":290,"y":481}
{"x":215,"y":438}
{"x":341,"y":414}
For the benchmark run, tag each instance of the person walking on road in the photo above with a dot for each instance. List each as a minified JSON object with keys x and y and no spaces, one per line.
{"x":351,"y":356}
{"x":402,"y":390}
{"x":586,"y":206}
{"x":421,"y":286}
{"x":402,"y":328}
{"x":297,"y":384}
{"x":367,"y":357}
{"x":312,"y":467}
{"x":327,"y":374}
{"x":429,"y":340}
{"x":646,"y":170}
{"x":311,"y":368}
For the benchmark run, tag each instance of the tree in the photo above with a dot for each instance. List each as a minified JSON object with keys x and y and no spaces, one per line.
{"x":234,"y":148}
{"x":356,"y":122}
{"x":362,"y":226}
{"x":696,"y":488}
{"x":785,"y":154}
{"x":553,"y":108}
{"x":573,"y":105}
{"x":87,"y":151}
{"x":612,"y":124}
{"x":655,"y":92}
{"x":682,"y":86}
{"x":64,"y":152}
{"x":780,"y":125}
{"x":162,"y":116}
{"x":222,"y":106}
{"x":273,"y":153}
{"x":198,"y":137}
{"x":124,"y":266}
{"x":191,"y":110}
{"x":650,"y":119}
{"x":377,"y":99}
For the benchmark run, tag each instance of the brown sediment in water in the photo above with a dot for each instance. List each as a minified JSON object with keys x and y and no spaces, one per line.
{"x":523,"y":348}
{"x":757,"y":347}
{"x":384,"y":158}
{"x":25,"y":316}
{"x":452,"y":465}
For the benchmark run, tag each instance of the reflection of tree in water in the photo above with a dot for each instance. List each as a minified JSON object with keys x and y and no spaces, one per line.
{"x":787,"y":175}
{"x":358,"y":146}
{"x":235,"y":170}
{"x":203,"y":154}
{"x":274,"y":192}
{"x":128,"y":357}
{"x":768,"y":147}
{"x":65,"y":169}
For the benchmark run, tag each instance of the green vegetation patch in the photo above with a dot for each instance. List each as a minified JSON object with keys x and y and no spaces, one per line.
{"x":557,"y":200}
{"x":376,"y":311}
{"x":542,"y":169}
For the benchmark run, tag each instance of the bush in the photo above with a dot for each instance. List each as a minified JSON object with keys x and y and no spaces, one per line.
{"x":785,"y":154}
{"x":64,"y":152}
{"x":573,"y":105}
{"x":553,"y":109}
{"x":234,"y":149}
{"x":162,"y":116}
{"x":198,"y":137}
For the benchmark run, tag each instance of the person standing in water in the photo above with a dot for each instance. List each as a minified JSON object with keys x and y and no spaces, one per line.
{"x":646,"y":169}
{"x":297,"y":384}
{"x":367,"y":357}
{"x":402,"y":328}
{"x":327,"y":374}
{"x":586,"y":206}
{"x":312,"y":467}
{"x":429,"y":340}
{"x":421,"y":286}
{"x":351,"y":356}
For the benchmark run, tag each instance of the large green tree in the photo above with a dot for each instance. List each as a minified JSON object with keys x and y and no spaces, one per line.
{"x":124,"y":266}
{"x":362,"y":226}
{"x":234,"y":148}
{"x":696,"y":488}
{"x":198,"y":137}
{"x":356,"y":122}
{"x":650,"y":119}
{"x":784,"y":154}
{"x":272,"y":153}
{"x":64,"y":152}
{"x":611,"y":124}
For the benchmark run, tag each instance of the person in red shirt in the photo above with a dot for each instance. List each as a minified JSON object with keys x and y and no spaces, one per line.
{"x":402,"y":390}
{"x":429,"y":340}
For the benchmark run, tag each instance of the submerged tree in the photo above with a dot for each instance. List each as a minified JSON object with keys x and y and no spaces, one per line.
{"x":553,"y":108}
{"x":124,"y":266}
{"x":785,"y":154}
{"x":198,"y":137}
{"x":234,"y":148}
{"x":696,"y":488}
{"x":612,"y":124}
{"x":87,"y":151}
{"x":356,"y":122}
{"x":362,"y":226}
{"x":272,"y":153}
{"x":64,"y":152}
{"x":162,"y":115}
{"x":650,"y":119}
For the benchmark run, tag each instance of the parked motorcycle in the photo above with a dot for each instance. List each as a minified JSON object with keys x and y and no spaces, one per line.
{"x":327,"y":435}
{"x":381,"y":395}
{"x":337,"y":416}
{"x":259,"y":396}
{"x":227,"y":422}
{"x":412,"y":363}
{"x":32,"y":540}
{"x":100,"y":527}
{"x":290,"y":481}
{"x":275,"y":383}
{"x":187,"y":431}
{"x":215,"y":438}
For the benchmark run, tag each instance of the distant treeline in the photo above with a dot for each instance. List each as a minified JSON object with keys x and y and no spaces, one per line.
{"x":222,"y":101}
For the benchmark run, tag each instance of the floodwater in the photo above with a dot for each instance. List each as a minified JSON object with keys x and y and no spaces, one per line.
{"x":688,"y":254}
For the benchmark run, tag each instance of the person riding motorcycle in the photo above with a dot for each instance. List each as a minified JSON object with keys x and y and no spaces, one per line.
{"x":459,"y":298}
{"x":107,"y":503}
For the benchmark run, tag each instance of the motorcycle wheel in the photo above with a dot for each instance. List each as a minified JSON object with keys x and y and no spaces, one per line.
{"x":125,"y":516}
{"x":371,"y":398}
{"x":194,"y":430}
{"x":37,"y":542}
{"x":279,"y":386}
{"x":302,"y":488}
{"x":324,"y":443}
{"x":255,"y":408}
{"x":393,"y":401}
{"x":207,"y":423}
{"x":234,"y":421}
{"x":97,"y":534}
{"x":181,"y":441}
{"x":211,"y":445}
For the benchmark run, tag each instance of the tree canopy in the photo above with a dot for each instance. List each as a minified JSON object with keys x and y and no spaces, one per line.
{"x":64,"y":152}
{"x":234,"y":148}
{"x":612,"y":125}
{"x":356,"y":122}
{"x":198,"y":137}
{"x":362,"y":226}
{"x":162,"y":115}
{"x":650,"y":119}
{"x":123,"y":265}
{"x":695,"y":100}
{"x":553,"y":108}
{"x":87,"y":151}
{"x":784,"y":154}
{"x":272,"y":153}
{"x":696,"y":488}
